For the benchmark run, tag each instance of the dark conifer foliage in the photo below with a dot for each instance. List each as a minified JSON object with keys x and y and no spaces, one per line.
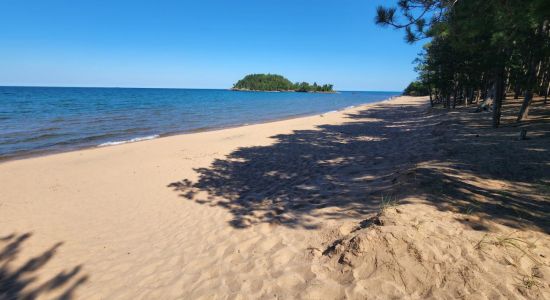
{"x":478,"y":50}
{"x":417,"y":88}
{"x":273,"y":82}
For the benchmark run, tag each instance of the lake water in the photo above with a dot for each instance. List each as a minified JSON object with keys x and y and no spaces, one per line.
{"x":38,"y":120}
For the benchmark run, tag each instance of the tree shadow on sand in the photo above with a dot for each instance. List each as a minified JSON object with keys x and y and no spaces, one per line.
{"x":23,"y":282}
{"x":451,"y":159}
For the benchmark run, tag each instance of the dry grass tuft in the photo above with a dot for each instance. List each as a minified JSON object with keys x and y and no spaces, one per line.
{"x":524,"y":246}
{"x":388,"y":201}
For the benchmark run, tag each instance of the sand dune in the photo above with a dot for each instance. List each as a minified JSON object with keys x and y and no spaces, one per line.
{"x":352,"y":204}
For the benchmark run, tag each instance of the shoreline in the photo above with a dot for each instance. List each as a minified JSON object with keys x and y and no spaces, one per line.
{"x":255,"y":211}
{"x":139,"y":139}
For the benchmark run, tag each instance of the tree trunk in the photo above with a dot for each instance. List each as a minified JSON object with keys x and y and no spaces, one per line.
{"x":532,"y":73}
{"x":499,"y":97}
{"x":470,"y":98}
{"x":524,"y":110}
{"x":517,"y":91}
{"x":531,"y":77}
{"x":455,"y":94}
{"x":546,"y":94}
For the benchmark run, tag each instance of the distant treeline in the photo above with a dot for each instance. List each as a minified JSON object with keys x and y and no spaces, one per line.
{"x":273,"y":82}
{"x":417,"y":88}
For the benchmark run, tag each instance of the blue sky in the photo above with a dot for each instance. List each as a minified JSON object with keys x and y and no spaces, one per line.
{"x":199,"y":44}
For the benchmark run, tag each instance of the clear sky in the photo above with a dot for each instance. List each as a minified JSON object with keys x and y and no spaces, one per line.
{"x":199,"y":44}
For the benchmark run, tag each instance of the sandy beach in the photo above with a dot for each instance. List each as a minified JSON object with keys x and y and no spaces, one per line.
{"x":371,"y":202}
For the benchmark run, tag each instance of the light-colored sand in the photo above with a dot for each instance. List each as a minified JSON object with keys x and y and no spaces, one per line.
{"x":156,"y":220}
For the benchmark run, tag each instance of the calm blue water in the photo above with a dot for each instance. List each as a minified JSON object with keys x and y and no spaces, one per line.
{"x":35,"y":120}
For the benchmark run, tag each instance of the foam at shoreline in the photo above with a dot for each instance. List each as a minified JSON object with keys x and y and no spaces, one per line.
{"x":137,"y":139}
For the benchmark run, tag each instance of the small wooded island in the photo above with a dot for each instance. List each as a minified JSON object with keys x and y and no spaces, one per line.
{"x":278,"y":83}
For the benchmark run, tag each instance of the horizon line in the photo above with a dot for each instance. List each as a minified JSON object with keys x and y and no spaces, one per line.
{"x":171,"y":88}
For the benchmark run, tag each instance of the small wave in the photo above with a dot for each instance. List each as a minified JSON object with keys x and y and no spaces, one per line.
{"x":144,"y":138}
{"x":58,"y":120}
{"x":41,"y":137}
